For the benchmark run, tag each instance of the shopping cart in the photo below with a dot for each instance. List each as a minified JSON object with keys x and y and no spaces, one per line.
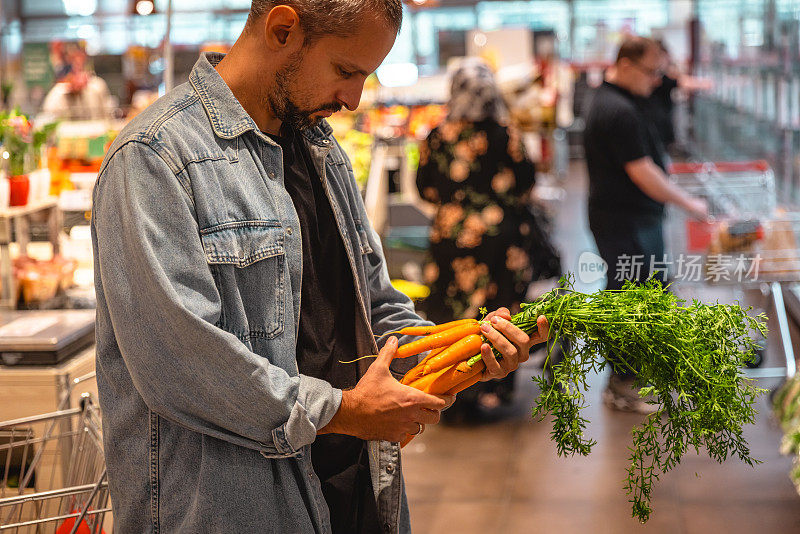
{"x":53,"y":471}
{"x":748,"y":243}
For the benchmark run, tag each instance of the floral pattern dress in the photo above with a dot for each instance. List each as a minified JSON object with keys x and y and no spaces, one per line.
{"x":479,"y":177}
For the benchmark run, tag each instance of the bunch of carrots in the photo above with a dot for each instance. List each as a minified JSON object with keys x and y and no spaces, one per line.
{"x":453,"y":363}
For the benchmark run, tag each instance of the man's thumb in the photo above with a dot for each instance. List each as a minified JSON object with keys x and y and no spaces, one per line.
{"x":387,"y":353}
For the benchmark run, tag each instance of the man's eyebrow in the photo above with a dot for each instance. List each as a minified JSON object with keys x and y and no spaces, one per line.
{"x":346,"y":65}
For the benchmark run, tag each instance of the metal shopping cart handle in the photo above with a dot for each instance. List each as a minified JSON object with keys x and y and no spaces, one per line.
{"x":728,"y":187}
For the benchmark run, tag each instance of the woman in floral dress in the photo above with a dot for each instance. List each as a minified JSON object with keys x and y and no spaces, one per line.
{"x":475,"y":170}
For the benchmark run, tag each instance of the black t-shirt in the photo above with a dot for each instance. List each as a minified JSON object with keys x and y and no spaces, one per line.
{"x":660,"y":108}
{"x":617,"y":132}
{"x":327,"y":336}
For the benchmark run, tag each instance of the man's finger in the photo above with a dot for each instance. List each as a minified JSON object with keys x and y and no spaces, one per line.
{"x":510,"y":331}
{"x":448,"y":399}
{"x":498,"y":340}
{"x":509,"y":363}
{"x":427,"y":417}
{"x":493,"y":369}
{"x":520,"y":341}
{"x":543,"y":327}
{"x":386,"y":354}
{"x":426,"y":400}
{"x":412,"y":428}
{"x":500,"y":312}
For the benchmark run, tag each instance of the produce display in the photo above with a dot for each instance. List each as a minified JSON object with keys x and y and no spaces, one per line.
{"x":81,"y":145}
{"x":358,"y":131}
{"x":358,"y":147}
{"x":39,"y":281}
{"x":687,"y":357}
{"x":425,"y":118}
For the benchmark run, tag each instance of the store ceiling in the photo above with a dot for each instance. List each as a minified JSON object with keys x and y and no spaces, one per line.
{"x":429,"y":4}
{"x":444,"y":3}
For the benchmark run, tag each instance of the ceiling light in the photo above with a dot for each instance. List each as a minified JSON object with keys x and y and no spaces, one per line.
{"x":144,"y":7}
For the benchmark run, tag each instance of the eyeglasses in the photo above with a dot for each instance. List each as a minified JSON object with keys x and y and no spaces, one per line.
{"x":653,"y":73}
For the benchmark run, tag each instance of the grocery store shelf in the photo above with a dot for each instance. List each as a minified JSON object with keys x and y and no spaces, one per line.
{"x":17,"y":217}
{"x":19,"y":211}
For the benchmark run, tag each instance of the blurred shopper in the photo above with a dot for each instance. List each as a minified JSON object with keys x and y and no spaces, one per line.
{"x":661,"y":103}
{"x":475,"y":170}
{"x":235,"y":271}
{"x":79,"y":94}
{"x":628,"y":186}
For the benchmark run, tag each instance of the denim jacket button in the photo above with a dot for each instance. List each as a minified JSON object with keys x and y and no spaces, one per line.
{"x":390,"y":469}
{"x":289,"y":231}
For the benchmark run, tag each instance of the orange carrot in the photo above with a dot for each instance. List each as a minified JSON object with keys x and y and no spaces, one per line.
{"x":412,"y":375}
{"x":424,"y":382}
{"x":463,"y":349}
{"x":451,"y":377}
{"x":468,"y":383}
{"x":417,"y":371}
{"x":428,"y":330}
{"x":435,"y":341}
{"x":433,"y":353}
{"x":456,"y":377}
{"x":465,"y":367}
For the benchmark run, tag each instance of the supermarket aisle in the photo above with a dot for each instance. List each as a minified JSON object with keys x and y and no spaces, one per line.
{"x":506,"y":477}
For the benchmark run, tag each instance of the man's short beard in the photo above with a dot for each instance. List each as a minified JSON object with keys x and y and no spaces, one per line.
{"x":280,"y":100}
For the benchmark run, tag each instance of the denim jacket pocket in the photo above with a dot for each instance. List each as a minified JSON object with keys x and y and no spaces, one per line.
{"x":248,"y":262}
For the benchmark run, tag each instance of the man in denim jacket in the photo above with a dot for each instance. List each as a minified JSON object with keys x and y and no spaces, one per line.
{"x":199,"y":270}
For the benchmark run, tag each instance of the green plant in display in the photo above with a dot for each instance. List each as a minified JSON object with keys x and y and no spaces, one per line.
{"x":21,"y":140}
{"x":689,"y":358}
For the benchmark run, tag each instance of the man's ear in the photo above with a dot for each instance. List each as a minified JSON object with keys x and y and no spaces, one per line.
{"x":282,"y":29}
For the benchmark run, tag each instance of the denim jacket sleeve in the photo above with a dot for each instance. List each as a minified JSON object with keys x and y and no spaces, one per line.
{"x":164,"y":304}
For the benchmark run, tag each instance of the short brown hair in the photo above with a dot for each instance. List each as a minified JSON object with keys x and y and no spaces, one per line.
{"x":635,"y":48}
{"x":332,"y":17}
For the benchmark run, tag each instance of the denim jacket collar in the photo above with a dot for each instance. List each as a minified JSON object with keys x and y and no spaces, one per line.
{"x":228,"y":118}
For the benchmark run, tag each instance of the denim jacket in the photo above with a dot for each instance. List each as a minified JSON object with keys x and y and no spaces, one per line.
{"x":207,"y":423}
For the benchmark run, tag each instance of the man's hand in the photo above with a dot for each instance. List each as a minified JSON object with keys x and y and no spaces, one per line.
{"x":654,"y":183}
{"x":381,"y":408}
{"x":510,"y":341}
{"x":697,"y":208}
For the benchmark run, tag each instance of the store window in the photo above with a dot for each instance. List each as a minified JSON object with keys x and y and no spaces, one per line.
{"x":429,"y":23}
{"x":403,"y":49}
{"x":34,"y":8}
{"x":599,"y":25}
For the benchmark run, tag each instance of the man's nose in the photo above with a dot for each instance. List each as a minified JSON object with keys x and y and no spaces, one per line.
{"x":350,"y":96}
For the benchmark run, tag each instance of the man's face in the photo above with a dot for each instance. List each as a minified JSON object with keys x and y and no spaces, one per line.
{"x":320,"y":79}
{"x":646,"y":73}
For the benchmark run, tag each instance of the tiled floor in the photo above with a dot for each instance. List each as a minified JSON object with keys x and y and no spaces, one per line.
{"x":507,"y":478}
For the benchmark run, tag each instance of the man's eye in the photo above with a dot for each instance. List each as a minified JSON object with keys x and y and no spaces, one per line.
{"x":344,"y":74}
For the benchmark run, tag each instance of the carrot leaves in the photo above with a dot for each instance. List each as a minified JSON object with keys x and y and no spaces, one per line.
{"x":687,"y":356}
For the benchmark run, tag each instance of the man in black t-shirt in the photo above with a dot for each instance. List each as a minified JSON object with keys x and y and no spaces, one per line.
{"x":661,"y":103}
{"x":628,"y":185}
{"x":662,"y":110}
